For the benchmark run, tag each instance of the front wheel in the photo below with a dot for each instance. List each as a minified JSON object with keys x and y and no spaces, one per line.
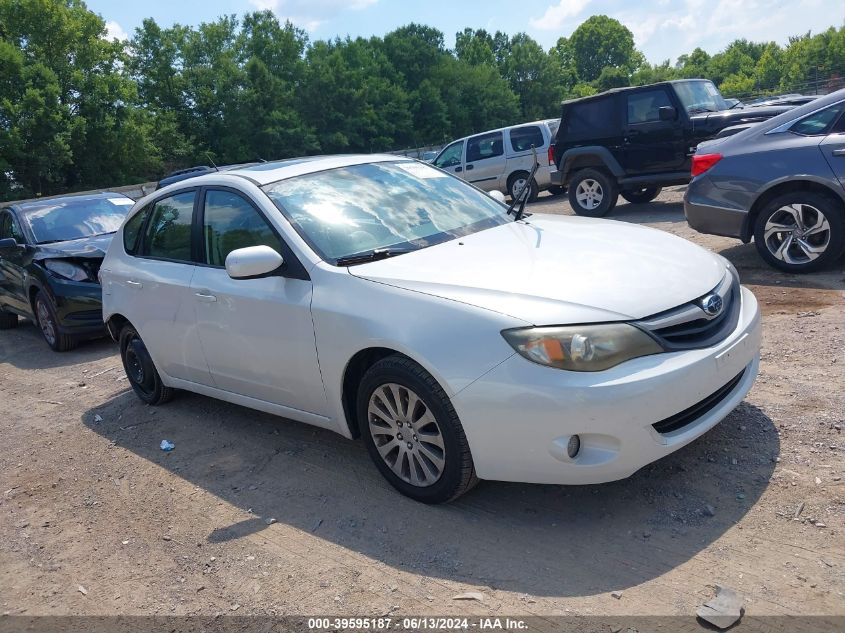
{"x":48,"y":323}
{"x":140,"y":369}
{"x":592,"y":193}
{"x":413,"y":433}
{"x":641,"y":196}
{"x":800,"y":232}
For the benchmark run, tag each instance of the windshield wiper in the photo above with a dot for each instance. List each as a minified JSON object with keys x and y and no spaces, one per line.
{"x":522,"y":198}
{"x":371,"y":256}
{"x":699,"y":110}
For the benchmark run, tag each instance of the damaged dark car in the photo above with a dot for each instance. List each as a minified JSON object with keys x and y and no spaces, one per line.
{"x":50,"y":255}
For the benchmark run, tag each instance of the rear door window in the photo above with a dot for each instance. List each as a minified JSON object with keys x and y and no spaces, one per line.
{"x":168,"y":234}
{"x":644,"y":107}
{"x":485,"y":146}
{"x":522,"y":138}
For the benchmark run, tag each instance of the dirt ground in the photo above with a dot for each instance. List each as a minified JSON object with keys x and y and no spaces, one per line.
{"x":252,"y":514}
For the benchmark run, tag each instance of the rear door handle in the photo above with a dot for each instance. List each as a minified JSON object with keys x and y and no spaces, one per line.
{"x":839,"y":152}
{"x":205,"y":297}
{"x":134,"y":284}
{"x":469,"y":167}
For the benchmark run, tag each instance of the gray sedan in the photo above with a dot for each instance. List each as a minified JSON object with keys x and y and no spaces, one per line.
{"x":781,"y":182}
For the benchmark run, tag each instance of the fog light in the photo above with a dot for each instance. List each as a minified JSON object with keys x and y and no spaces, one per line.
{"x":573,"y":446}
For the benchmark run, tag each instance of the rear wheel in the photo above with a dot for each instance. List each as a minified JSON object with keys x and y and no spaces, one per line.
{"x":592,"y":193}
{"x":8,"y":320}
{"x":48,"y":323}
{"x":517,"y":182}
{"x":413,"y":433}
{"x":800,"y":232}
{"x":641,"y":196}
{"x":140,"y":369}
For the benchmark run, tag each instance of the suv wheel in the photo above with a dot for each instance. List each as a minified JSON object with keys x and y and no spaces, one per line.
{"x":800,"y":232}
{"x":48,"y":323}
{"x":413,"y":433}
{"x":641,"y":196}
{"x":592,"y":193}
{"x":517,"y":181}
{"x":140,"y":369}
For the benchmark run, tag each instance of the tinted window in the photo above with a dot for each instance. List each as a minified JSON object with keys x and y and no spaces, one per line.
{"x":169,"y":230}
{"x":522,"y":138}
{"x":818,"y":122}
{"x":485,"y":146}
{"x":9,"y":228}
{"x":402,"y":204}
{"x":644,"y":107}
{"x":450,"y":156}
{"x":230,"y":223}
{"x":132,"y":229}
{"x":593,"y":118}
{"x":840,"y":126}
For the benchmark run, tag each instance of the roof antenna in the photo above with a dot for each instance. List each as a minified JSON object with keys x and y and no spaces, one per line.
{"x":208,"y":154}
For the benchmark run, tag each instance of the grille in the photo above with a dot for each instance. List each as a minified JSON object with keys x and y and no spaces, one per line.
{"x":690,"y":415}
{"x":690,"y":327}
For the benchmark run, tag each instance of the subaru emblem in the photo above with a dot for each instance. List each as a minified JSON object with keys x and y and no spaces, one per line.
{"x":712,"y":305}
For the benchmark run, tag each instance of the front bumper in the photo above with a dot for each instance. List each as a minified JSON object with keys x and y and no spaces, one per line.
{"x":715,"y":211}
{"x":79,"y":306}
{"x":519,"y":416}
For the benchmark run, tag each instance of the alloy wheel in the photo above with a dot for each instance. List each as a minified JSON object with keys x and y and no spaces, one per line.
{"x":589,"y":193}
{"x":518,"y":185}
{"x":45,"y":322}
{"x":797,"y":233}
{"x":406,"y":434}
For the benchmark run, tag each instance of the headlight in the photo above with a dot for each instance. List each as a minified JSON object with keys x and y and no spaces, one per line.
{"x":66,"y":270}
{"x":582,"y":347}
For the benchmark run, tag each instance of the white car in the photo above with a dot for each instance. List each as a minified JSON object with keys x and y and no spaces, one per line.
{"x":382,"y":298}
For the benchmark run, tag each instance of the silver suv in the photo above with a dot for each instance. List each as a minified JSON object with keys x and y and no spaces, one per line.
{"x":500,"y":160}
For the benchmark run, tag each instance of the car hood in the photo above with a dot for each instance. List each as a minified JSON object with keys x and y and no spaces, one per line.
{"x":558,"y":269}
{"x":86,"y":247}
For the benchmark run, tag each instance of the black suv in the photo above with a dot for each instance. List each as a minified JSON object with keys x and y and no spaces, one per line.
{"x":633,"y":141}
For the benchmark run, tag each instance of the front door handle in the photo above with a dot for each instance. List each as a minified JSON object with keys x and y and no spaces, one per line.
{"x":205,"y":297}
{"x":458,"y":169}
{"x":839,"y":152}
{"x":134,"y":284}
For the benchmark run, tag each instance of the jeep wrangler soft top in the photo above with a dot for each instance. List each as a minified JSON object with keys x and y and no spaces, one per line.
{"x":634,"y":141}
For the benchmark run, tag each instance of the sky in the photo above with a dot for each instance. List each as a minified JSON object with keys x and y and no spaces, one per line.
{"x":663,"y":29}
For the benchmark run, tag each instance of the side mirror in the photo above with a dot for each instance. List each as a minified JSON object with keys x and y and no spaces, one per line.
{"x":9,"y":242}
{"x":497,"y":195}
{"x":253,"y":261}
{"x":667,"y":113}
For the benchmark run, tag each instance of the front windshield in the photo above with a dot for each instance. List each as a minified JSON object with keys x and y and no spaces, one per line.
{"x":404,"y":205}
{"x":70,"y":219}
{"x":700,"y":96}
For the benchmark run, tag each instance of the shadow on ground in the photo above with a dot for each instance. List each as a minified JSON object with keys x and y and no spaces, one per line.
{"x":544,"y":540}
{"x":24,"y":347}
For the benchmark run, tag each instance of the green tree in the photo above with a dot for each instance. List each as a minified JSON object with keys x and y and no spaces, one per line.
{"x":599,"y":42}
{"x":531,"y":74}
{"x":475,"y":47}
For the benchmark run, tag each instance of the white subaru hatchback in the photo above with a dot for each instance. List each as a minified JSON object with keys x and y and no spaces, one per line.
{"x":383,"y":298}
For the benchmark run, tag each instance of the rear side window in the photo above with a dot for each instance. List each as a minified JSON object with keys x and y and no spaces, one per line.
{"x":132,"y":230}
{"x":485,"y":146}
{"x":169,"y":230}
{"x":522,"y":138}
{"x":590,"y":119}
{"x":819,"y":122}
{"x":230,"y":223}
{"x":644,"y":107}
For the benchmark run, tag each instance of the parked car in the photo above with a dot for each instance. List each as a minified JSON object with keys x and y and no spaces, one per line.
{"x":50,"y":253}
{"x":634,"y":141}
{"x":192,"y":172}
{"x":781,"y":183}
{"x":499,"y":160}
{"x":788,"y":100}
{"x":382,"y":298}
{"x":428,"y":156}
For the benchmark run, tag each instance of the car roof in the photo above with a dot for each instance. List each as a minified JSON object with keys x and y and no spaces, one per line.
{"x":52,"y":201}
{"x":613,"y":91}
{"x":506,"y":127}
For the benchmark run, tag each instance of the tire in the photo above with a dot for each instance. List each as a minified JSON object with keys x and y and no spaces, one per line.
{"x":8,"y":320}
{"x":557,"y":190}
{"x":641,"y":196}
{"x":811,"y":234}
{"x":140,"y":369}
{"x":515,"y":183}
{"x":48,"y":323}
{"x":425,"y":473}
{"x":592,"y":193}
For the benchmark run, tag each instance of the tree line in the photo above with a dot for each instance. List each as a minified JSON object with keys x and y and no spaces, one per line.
{"x":80,"y":111}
